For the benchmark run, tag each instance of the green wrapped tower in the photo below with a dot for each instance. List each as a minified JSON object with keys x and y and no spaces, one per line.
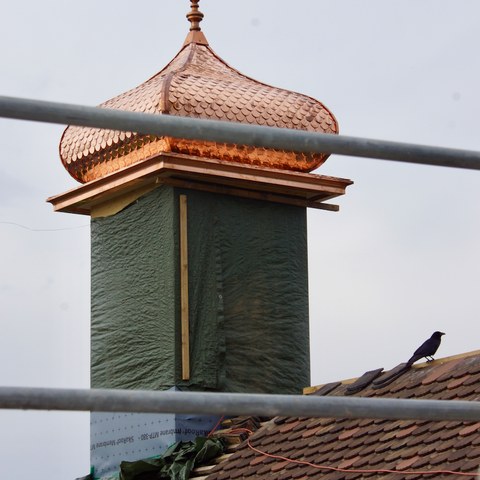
{"x":199,"y":249}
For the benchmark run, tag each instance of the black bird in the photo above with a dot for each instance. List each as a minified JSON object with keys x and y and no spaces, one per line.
{"x":427,"y":348}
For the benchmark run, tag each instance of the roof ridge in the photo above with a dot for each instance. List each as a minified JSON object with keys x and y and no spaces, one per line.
{"x":166,"y":80}
{"x":450,"y":358}
{"x":438,"y":361}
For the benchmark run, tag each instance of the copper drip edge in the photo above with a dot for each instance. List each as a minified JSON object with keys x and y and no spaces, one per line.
{"x":104,"y":163}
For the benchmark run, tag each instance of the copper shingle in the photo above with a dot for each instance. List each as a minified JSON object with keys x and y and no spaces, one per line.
{"x":366,"y":447}
{"x":197,"y":83}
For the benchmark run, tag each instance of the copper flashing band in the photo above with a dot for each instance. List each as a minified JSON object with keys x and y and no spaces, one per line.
{"x":165,"y":105}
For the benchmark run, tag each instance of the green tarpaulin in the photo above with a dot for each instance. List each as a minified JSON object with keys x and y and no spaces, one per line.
{"x":248,"y":295}
{"x":176,"y":463}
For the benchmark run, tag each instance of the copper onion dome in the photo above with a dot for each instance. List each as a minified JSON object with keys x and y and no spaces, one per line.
{"x":197,"y":83}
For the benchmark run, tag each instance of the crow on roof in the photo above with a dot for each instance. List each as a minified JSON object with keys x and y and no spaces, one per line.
{"x":427,"y":348}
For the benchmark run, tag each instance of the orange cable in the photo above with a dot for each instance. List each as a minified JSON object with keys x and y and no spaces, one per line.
{"x":216,"y":426}
{"x":352,"y":470}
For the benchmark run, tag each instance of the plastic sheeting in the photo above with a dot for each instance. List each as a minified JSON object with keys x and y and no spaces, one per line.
{"x":176,"y":463}
{"x":134,"y":301}
{"x":248,"y":295}
{"x":132,"y":436}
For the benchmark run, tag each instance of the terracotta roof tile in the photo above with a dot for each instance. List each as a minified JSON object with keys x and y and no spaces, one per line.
{"x":366,"y":450}
{"x":336,"y":456}
{"x":474,"y":368}
{"x":349,"y":462}
{"x":277,"y":467}
{"x":468,"y":465}
{"x":289,"y":426}
{"x":266,"y":466}
{"x":437,"y":373}
{"x":472,"y":380}
{"x":425,"y":448}
{"x":445,"y":445}
{"x":301,"y":473}
{"x":388,"y":436}
{"x":348,"y":433}
{"x":452,"y":395}
{"x":363,"y":381}
{"x":466,"y":441}
{"x":266,"y":440}
{"x":474,"y":453}
{"x":311,"y":432}
{"x":456,"y":455}
{"x":422,"y":391}
{"x":449,"y":433}
{"x":440,"y":458}
{"x":421,"y":462}
{"x":383,"y":446}
{"x":414,"y":441}
{"x":295,"y":435}
{"x":230,"y":465}
{"x":328,"y":388}
{"x":435,"y":437}
{"x":298,"y":454}
{"x":377,"y":444}
{"x":403,"y":465}
{"x":361,"y":461}
{"x":438,"y":426}
{"x":469,"y":429}
{"x":257,"y":460}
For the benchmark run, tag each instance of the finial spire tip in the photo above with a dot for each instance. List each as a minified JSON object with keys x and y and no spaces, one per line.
{"x":195,"y":16}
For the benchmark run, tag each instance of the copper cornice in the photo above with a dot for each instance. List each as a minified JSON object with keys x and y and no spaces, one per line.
{"x":197,"y":83}
{"x":228,"y":178}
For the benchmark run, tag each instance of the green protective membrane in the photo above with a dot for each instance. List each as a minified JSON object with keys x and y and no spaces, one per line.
{"x":248,"y":295}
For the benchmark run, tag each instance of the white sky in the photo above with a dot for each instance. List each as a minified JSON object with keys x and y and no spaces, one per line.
{"x":399,"y":261}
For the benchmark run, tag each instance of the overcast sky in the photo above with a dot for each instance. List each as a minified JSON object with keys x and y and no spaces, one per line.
{"x":399,"y":260}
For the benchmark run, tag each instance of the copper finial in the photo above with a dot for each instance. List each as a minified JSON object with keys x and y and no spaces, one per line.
{"x":195,"y":16}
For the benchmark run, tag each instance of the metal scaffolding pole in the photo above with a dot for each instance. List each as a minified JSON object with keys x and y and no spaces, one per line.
{"x":236,"y":404}
{"x":237,"y":133}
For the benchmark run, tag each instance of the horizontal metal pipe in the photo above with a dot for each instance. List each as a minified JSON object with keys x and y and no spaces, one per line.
{"x":236,"y":404}
{"x":229,"y":132}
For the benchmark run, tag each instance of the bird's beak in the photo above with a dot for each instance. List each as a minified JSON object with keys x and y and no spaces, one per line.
{"x":441,"y":333}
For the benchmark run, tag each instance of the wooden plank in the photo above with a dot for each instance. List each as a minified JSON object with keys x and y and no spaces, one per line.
{"x":184,"y":289}
{"x":204,"y":469}
{"x":280,"y":182}
{"x":237,"y":192}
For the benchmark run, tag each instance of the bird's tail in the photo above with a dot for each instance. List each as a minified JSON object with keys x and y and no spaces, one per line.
{"x":412,"y":360}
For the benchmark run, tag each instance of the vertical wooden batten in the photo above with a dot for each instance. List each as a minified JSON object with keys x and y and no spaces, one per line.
{"x":184,"y":289}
